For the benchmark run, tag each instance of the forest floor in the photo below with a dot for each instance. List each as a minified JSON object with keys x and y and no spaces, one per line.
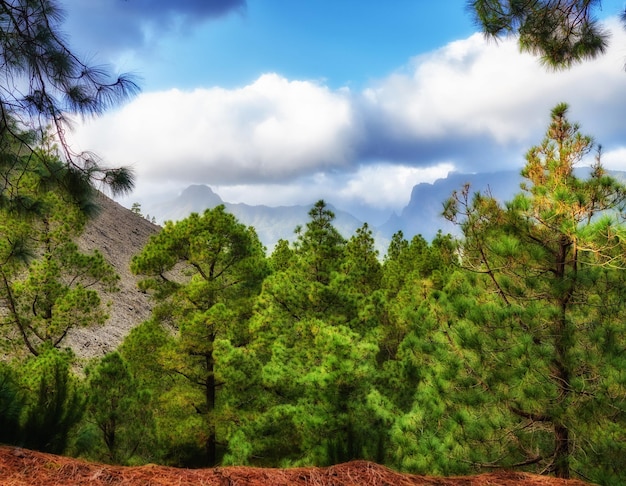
{"x":21,"y":467}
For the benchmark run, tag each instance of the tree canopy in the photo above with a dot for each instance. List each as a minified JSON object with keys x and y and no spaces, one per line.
{"x":561,"y":32}
{"x":549,"y":258}
{"x":500,"y":348}
{"x":42,"y":83}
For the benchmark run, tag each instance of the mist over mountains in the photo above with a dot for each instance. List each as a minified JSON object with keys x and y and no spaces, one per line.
{"x":271,"y":223}
{"x":422,"y":214}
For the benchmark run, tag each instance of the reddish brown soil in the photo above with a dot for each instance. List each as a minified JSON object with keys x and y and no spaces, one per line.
{"x":21,"y":467}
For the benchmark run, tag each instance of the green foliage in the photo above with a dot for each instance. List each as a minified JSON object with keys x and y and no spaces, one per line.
{"x":205,"y":270}
{"x":282,"y":256}
{"x":320,"y":246}
{"x":451,"y":424}
{"x":43,"y":81}
{"x":47,"y":285}
{"x":217,"y":250}
{"x":46,"y":190}
{"x":311,"y":406}
{"x":313,"y":353}
{"x":143,"y":352}
{"x":546,"y":258}
{"x":120,"y":410}
{"x":11,"y":405}
{"x":54,"y":401}
{"x":411,"y":272}
{"x":361,"y":263}
{"x":136,"y":209}
{"x":140,"y":350}
{"x":562,"y":33}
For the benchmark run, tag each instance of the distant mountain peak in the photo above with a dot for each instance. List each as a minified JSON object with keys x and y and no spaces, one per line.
{"x":422,"y":215}
{"x":201,"y":192}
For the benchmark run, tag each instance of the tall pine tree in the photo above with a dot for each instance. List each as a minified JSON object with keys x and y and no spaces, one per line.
{"x":550,"y":259}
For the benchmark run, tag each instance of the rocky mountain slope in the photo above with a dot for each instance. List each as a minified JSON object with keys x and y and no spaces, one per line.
{"x":119,"y":234}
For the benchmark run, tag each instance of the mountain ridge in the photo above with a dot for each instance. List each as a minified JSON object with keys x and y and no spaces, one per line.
{"x":272,"y":223}
{"x":422,"y":215}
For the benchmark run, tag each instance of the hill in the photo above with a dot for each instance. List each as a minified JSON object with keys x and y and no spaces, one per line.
{"x":21,"y":467}
{"x":119,"y":234}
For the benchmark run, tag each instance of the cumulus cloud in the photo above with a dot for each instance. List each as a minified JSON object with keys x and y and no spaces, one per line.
{"x":272,"y":129}
{"x":615,"y":159}
{"x":480,"y":103}
{"x":387,"y":185}
{"x":467,"y":88}
{"x":470,"y":106}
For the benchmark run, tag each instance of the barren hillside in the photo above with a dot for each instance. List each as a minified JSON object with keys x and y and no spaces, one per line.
{"x":119,"y":234}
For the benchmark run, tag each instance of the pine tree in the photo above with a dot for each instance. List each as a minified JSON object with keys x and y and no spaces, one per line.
{"x":47,"y":285}
{"x":205,"y":271}
{"x":120,"y":410}
{"x":549,"y":256}
{"x":314,"y":336}
{"x":11,"y":406}
{"x":44,"y":82}
{"x":54,"y":401}
{"x":562,"y":33}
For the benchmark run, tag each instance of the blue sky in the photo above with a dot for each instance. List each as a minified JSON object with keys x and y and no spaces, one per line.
{"x":343,"y":43}
{"x":283,"y":101}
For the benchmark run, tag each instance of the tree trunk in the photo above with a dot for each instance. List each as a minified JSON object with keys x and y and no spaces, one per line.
{"x":211,"y":452}
{"x":562,"y":343}
{"x":562,"y":452}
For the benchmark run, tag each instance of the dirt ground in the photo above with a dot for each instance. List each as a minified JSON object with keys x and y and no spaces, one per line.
{"x":21,"y":467}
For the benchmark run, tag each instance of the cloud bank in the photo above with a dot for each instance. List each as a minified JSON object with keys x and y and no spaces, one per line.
{"x":471,"y":106}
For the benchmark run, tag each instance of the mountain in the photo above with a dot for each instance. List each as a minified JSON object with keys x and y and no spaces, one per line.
{"x":119,"y":234}
{"x":194,"y":199}
{"x":270,"y":223}
{"x":423,"y":214}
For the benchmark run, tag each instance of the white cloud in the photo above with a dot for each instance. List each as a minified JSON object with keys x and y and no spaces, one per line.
{"x":474,"y":87}
{"x":389,"y":186}
{"x":467,"y":87}
{"x":615,"y":159}
{"x":371,"y":193}
{"x":273,"y":129}
{"x":471,"y":105}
